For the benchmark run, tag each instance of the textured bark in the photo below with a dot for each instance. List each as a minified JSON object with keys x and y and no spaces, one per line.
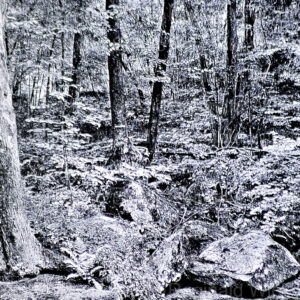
{"x":164,"y":46}
{"x":249,"y":16}
{"x":77,"y":57}
{"x":117,"y":101}
{"x":230,"y":129}
{"x":20,"y":254}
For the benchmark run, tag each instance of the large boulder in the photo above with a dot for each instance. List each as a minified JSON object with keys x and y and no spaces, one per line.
{"x":169,"y":261}
{"x":252,"y":258}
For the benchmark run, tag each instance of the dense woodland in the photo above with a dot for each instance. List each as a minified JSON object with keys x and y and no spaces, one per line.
{"x":149,"y":149}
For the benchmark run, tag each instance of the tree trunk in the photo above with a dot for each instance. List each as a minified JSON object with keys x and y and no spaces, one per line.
{"x":249,"y":25}
{"x":77,"y":57}
{"x":49,"y":68}
{"x":164,"y":46}
{"x":62,"y":41}
{"x":230,"y":130}
{"x":117,"y":101}
{"x":249,"y":17}
{"x":20,"y":253}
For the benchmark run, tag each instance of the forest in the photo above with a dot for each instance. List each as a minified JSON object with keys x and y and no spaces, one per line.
{"x":149,"y":149}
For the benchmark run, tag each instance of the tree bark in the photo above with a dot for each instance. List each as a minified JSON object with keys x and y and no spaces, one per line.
{"x":20,"y":253}
{"x":49,"y":68}
{"x":164,"y":46}
{"x":249,"y":18}
{"x":74,"y":89}
{"x":249,"y":25}
{"x":62,"y":41}
{"x":230,"y":130}
{"x":116,"y":90}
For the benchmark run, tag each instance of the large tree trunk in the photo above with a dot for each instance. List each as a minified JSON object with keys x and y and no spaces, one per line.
{"x":77,"y":57}
{"x":116,"y":91}
{"x":164,"y":46}
{"x":19,"y":252}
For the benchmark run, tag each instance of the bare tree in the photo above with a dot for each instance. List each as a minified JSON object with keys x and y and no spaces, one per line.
{"x":164,"y":46}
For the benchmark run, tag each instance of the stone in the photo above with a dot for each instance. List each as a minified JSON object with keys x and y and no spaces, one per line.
{"x":252,"y":258}
{"x":195,"y":294}
{"x":168,"y":262}
{"x":52,"y":287}
{"x":170,"y":259}
{"x":198,"y":234}
{"x":129,"y":200}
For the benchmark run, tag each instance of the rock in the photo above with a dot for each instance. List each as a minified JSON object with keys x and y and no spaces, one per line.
{"x":168,"y":262}
{"x":198,"y":234}
{"x":129,"y":200}
{"x":135,"y":203}
{"x":253,"y":258}
{"x":195,"y":294}
{"x":198,"y":294}
{"x":289,"y":290}
{"x":52,"y":287}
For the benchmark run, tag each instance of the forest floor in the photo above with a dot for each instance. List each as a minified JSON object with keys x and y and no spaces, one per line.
{"x":103,"y":223}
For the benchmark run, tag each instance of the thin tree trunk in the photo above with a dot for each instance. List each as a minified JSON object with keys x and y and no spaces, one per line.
{"x":33,"y":91}
{"x":63,"y":50}
{"x":49,"y":68}
{"x":74,"y":88}
{"x":77,"y":57}
{"x":20,"y":253}
{"x":6,"y":43}
{"x":62,"y":39}
{"x":17,"y":82}
{"x":164,"y":46}
{"x":116,"y":90}
{"x":231,"y":64}
{"x":249,"y":18}
{"x":249,"y":25}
